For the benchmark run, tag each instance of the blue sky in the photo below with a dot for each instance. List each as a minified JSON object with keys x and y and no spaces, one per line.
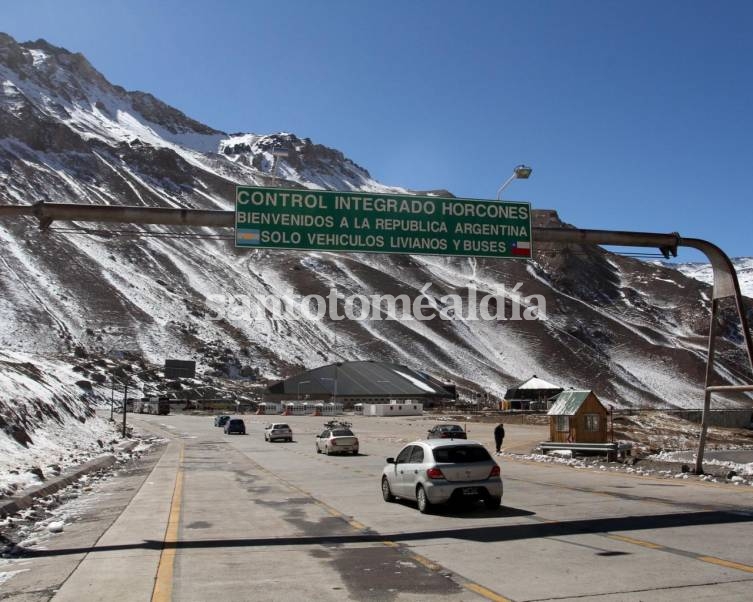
{"x":634,"y":115}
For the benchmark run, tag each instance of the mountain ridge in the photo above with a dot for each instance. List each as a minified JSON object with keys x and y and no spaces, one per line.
{"x":634,"y":332}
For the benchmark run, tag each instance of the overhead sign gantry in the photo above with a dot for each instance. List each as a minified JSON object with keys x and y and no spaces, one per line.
{"x":355,"y":221}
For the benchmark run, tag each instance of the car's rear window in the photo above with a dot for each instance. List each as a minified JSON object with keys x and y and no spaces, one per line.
{"x":343,"y":433}
{"x":280,"y":426}
{"x":461,"y":454}
{"x":236,"y":422}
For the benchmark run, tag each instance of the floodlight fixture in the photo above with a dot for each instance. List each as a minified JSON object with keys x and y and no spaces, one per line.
{"x":521,"y":172}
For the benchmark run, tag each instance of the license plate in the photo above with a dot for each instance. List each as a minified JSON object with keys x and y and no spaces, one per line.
{"x":470,"y":490}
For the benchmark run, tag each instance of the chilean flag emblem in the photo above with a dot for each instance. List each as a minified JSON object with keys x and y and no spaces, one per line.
{"x":521,"y":249}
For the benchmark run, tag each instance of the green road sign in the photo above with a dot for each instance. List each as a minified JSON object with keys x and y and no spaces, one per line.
{"x":319,"y":220}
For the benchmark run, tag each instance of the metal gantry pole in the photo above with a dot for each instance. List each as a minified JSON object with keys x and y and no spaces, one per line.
{"x":707,"y":392}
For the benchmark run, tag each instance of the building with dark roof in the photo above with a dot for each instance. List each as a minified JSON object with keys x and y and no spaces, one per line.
{"x":531,"y":394}
{"x":361,"y":382}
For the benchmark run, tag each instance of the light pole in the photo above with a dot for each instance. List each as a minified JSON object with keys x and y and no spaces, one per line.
{"x":112,"y":399}
{"x":334,"y":382}
{"x":277,"y":153}
{"x":125,"y":403}
{"x":521,"y":172}
{"x":302,"y":382}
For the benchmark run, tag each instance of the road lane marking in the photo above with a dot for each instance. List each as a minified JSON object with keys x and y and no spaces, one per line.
{"x":730,"y":564}
{"x":163,"y":584}
{"x":727,"y":563}
{"x":486,"y":593}
{"x":400,"y":548}
{"x":432,"y":566}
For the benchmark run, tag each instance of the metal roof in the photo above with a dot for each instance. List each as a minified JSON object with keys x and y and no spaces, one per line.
{"x":362,"y":379}
{"x":537,"y":383}
{"x":568,"y":403}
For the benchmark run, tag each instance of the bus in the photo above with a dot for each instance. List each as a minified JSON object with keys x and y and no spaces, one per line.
{"x":152,"y":405}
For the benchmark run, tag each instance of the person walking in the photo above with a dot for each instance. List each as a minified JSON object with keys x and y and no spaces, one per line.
{"x":499,"y":435}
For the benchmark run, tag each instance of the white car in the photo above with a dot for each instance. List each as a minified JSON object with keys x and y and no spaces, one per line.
{"x":438,"y":471}
{"x":337,"y":441}
{"x":278,"y":431}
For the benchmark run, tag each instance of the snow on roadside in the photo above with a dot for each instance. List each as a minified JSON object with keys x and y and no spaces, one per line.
{"x":47,"y":421}
{"x":743,"y":470}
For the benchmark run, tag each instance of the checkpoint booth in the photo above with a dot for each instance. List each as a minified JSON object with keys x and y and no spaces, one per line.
{"x":396,"y":408}
{"x":332,"y":409}
{"x":294,"y":408}
{"x":269,"y":407}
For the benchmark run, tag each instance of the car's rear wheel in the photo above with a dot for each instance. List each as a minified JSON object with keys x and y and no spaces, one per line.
{"x":492,"y":503}
{"x":326,"y":450}
{"x":386,"y":491}
{"x":424,"y":505}
{"x":318,"y":451}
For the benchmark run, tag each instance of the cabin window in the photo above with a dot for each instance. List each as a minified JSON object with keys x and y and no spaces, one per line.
{"x":592,"y":423}
{"x":563,"y":424}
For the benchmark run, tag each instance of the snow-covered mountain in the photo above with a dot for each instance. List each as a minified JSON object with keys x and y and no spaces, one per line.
{"x":702,"y":272}
{"x":633,"y":332}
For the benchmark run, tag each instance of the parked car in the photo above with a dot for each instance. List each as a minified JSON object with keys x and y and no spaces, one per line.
{"x":337,"y":441}
{"x":278,"y":431}
{"x":235,"y":425}
{"x":447,"y":431}
{"x":221,"y":420}
{"x":438,"y":471}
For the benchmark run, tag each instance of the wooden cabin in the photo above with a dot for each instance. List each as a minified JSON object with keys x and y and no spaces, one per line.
{"x":578,"y":417}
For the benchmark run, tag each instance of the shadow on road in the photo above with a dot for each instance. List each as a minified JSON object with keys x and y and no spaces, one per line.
{"x":469,"y":510}
{"x":475,"y":534}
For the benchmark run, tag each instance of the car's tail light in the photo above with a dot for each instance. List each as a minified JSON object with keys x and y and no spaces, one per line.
{"x":495,"y":471}
{"x":434,"y":473}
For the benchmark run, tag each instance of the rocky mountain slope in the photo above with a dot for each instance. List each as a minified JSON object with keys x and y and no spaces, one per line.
{"x":632,"y":331}
{"x":702,"y":272}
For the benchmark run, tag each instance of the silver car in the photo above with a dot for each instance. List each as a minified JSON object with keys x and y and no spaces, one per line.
{"x":337,"y":441}
{"x":278,"y":431}
{"x":440,"y":470}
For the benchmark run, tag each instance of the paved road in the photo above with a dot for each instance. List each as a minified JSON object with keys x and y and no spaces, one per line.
{"x":235,"y":518}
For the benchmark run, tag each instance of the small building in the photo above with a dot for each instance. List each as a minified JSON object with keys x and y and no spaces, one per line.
{"x":269,"y":407}
{"x":531,"y":394}
{"x":332,"y":409}
{"x":577,"y":417}
{"x":395,"y":408}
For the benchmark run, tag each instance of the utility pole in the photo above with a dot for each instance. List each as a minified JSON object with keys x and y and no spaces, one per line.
{"x":112,"y":398}
{"x":125,"y":403}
